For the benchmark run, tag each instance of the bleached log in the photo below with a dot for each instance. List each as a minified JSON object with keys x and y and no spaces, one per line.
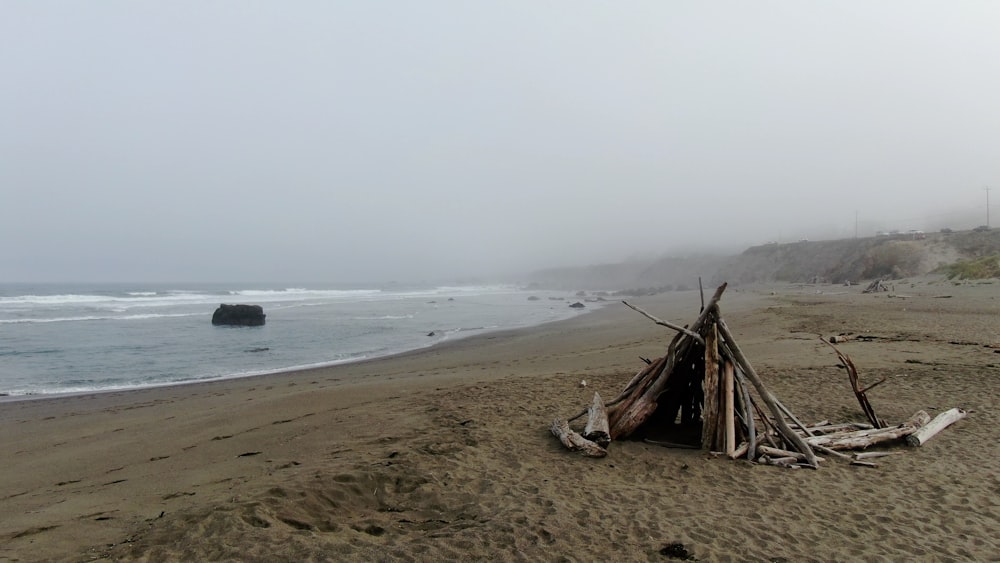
{"x":940,"y":422}
{"x":575,"y":442}
{"x":861,"y":439}
{"x":869,"y":455}
{"x":740,"y":451}
{"x":597,"y":423}
{"x":729,"y":409}
{"x":845,"y":427}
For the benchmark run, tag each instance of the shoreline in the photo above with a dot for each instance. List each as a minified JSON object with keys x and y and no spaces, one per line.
{"x":443,"y":342}
{"x":444,"y":453}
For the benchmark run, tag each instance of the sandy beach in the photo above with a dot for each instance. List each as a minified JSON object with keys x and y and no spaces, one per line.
{"x":445,"y":453}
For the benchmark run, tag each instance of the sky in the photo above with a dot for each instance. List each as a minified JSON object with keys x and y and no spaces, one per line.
{"x":405,"y":141}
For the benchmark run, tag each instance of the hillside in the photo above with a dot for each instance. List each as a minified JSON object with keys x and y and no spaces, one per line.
{"x":832,"y":261}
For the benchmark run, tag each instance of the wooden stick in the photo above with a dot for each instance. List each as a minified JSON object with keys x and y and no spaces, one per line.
{"x":834,"y":453}
{"x":867,"y":455}
{"x":765,"y":395}
{"x":775,"y":452}
{"x":669,"y":325}
{"x":740,"y":450}
{"x":940,"y":422}
{"x":727,"y":399}
{"x":852,"y":374}
{"x":751,"y":432}
{"x":670,"y":444}
{"x":701,"y":291}
{"x":597,"y":423}
{"x":710,"y":406}
{"x":789,"y":414}
{"x":575,"y":442}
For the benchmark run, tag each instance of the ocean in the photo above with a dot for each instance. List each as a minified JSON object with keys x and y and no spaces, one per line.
{"x":99,"y":337}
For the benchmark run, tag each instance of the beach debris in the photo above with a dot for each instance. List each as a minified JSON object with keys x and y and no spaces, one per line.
{"x":852,"y":374}
{"x":583,"y":383}
{"x":931,"y":429}
{"x":876,"y":286}
{"x":704,"y":393}
{"x":676,"y":550}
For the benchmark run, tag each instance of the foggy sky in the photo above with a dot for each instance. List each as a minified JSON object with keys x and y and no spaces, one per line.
{"x":376,"y":141}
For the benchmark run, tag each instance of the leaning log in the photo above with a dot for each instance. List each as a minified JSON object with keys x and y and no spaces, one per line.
{"x":575,"y":442}
{"x":729,"y":409}
{"x":710,"y":407}
{"x":597,"y":423}
{"x":940,"y":422}
{"x":765,"y":395}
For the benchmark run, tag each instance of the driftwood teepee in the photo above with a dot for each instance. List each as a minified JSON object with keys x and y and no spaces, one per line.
{"x":705,"y":383}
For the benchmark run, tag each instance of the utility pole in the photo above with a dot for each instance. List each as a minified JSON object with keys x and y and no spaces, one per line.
{"x":987,"y":188}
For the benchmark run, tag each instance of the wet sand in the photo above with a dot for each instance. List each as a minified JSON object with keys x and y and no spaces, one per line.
{"x":445,"y":453}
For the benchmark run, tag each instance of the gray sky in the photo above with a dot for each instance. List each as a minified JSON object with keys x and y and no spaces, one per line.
{"x":352,"y":141}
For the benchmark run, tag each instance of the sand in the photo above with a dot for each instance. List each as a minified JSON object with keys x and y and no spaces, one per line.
{"x":445,"y":454}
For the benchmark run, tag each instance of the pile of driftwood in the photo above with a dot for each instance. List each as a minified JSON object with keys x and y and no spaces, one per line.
{"x":706,"y":385}
{"x":876,"y":286}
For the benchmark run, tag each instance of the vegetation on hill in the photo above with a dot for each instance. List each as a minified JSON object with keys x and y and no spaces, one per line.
{"x":975,"y":269}
{"x":967,"y":253}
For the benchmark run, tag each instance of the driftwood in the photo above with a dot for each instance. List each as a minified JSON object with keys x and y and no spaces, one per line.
{"x":710,"y":407}
{"x":778,"y":453}
{"x":876,"y":286}
{"x":597,"y":423}
{"x":861,"y":439}
{"x":702,"y":379}
{"x":669,"y":325}
{"x":940,"y":422}
{"x":575,"y":442}
{"x":766,"y":396}
{"x":859,"y":392}
{"x":730,"y":408}
{"x":627,"y":416}
{"x":748,"y":411}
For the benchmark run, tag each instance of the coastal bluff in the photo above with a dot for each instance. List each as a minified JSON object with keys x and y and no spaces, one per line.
{"x":239,"y":315}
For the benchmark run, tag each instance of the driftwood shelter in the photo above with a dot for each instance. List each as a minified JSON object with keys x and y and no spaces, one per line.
{"x":704,"y":393}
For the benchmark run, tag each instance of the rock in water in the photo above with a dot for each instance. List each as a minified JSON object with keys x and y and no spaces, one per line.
{"x":239,"y":315}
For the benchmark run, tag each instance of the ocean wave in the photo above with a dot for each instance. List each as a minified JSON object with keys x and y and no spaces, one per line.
{"x":98,"y":318}
{"x":301,"y":292}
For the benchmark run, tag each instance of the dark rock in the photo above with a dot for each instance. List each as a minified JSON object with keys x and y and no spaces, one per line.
{"x":577,"y":305}
{"x":259,"y":349}
{"x":533,"y":298}
{"x":239,"y":315}
{"x":431,"y":333}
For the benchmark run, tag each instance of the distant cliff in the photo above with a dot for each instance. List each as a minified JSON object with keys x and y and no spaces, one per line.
{"x":833,"y":261}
